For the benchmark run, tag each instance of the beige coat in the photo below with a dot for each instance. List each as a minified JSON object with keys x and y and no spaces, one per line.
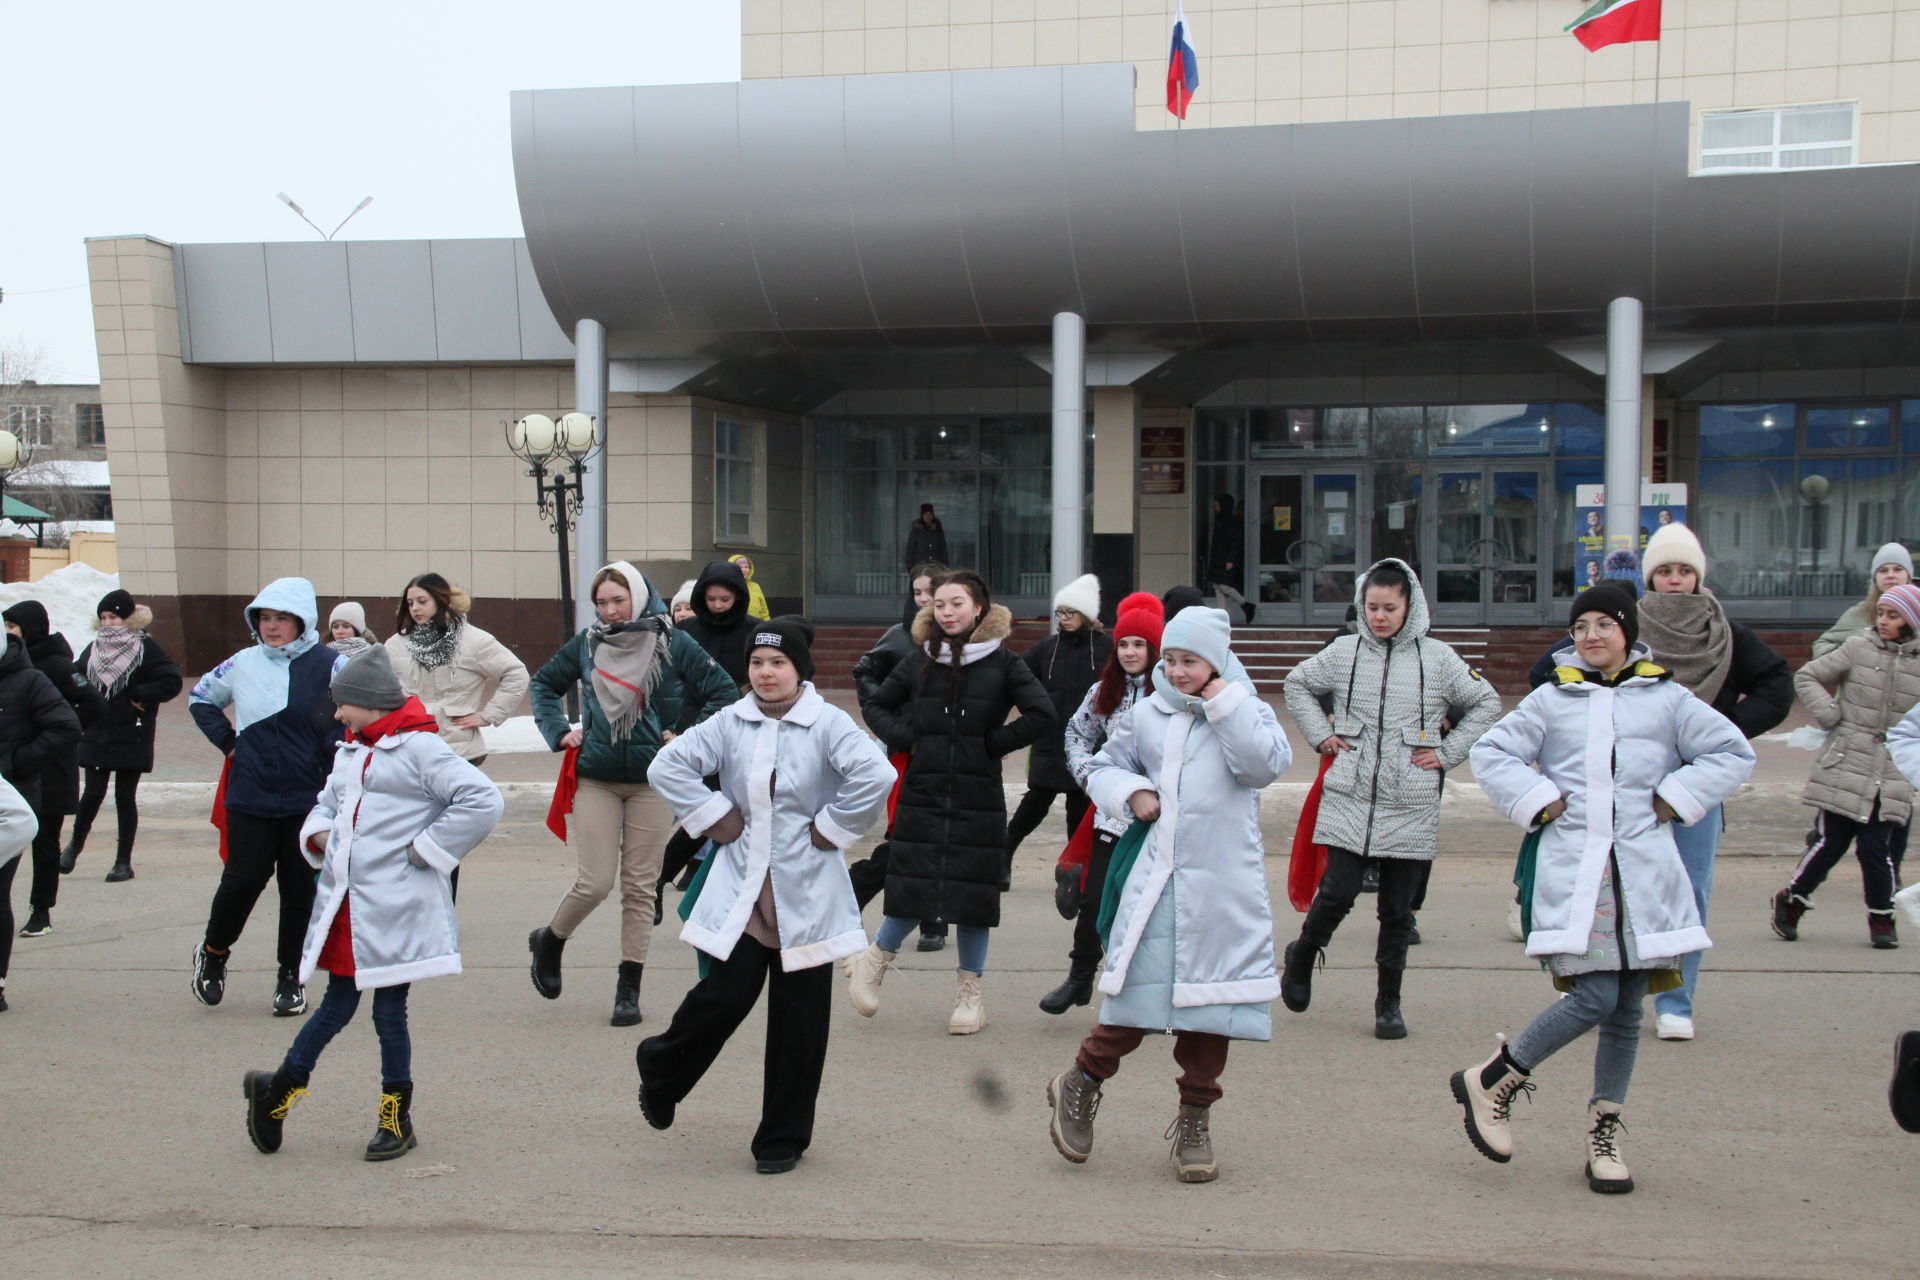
{"x":1875,"y":682}
{"x":484,"y":677}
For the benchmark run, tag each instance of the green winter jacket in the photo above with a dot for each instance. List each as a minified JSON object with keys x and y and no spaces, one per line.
{"x":690,"y":677}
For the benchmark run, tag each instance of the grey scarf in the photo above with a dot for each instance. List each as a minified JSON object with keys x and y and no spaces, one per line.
{"x":431,"y":647}
{"x":627,"y":658}
{"x":1691,"y":637}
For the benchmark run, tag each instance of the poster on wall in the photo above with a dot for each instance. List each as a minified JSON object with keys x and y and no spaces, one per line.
{"x":1659,"y":504}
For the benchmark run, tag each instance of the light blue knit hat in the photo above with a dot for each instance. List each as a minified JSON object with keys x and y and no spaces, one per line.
{"x":1200,"y":630}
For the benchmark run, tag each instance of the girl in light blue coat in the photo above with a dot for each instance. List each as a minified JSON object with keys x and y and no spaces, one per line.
{"x":799,"y":783}
{"x":1192,"y":942}
{"x":398,"y":813}
{"x":1623,"y":753}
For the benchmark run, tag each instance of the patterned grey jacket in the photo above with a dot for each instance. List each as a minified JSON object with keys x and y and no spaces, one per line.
{"x":1389,"y":699}
{"x":1087,"y":732}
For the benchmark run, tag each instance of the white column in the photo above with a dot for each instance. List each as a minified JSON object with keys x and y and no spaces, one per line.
{"x":1622,"y":474}
{"x":590,"y":397}
{"x":1069,"y":445}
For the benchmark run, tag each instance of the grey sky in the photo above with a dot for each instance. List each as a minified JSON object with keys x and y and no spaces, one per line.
{"x":182,"y":122}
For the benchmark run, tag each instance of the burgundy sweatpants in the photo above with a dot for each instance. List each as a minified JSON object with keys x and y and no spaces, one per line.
{"x":1202,"y":1057}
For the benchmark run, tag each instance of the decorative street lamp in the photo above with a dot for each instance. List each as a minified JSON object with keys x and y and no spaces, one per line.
{"x":556,"y":455}
{"x":15,"y":455}
{"x":1815,"y":490}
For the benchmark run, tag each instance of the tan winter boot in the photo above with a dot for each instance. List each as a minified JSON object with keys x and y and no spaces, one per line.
{"x":1075,"y":1098}
{"x":1606,"y":1168}
{"x":1486,"y":1092}
{"x":969,"y":1010}
{"x":1192,"y":1145}
{"x":865,"y":972}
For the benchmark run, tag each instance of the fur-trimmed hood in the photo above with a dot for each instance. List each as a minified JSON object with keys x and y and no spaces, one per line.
{"x":458,"y":601}
{"x":139,"y":620}
{"x":995,"y":624}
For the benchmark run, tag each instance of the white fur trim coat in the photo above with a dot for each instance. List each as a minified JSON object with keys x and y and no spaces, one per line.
{"x":1192,"y":943}
{"x":408,"y":791}
{"x":1608,"y":750}
{"x":813,"y":767}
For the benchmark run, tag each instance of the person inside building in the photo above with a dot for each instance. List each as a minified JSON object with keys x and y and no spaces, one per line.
{"x":926,"y":539}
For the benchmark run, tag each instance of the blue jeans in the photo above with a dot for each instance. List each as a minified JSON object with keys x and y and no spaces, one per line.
{"x":971,"y":938}
{"x":1610,"y":1001}
{"x":1698,"y":845}
{"x":336,"y":1010}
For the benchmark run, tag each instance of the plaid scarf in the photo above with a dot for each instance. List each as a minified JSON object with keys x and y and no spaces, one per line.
{"x":116,"y":652}
{"x":627,"y":658}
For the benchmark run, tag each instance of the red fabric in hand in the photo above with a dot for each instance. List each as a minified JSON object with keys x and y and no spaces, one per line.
{"x":219,"y":816}
{"x":1078,"y":855}
{"x":564,"y":789}
{"x":1309,"y":861}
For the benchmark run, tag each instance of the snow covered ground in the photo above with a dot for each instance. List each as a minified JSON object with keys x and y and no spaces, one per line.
{"x":70,"y":595}
{"x":516,"y":735}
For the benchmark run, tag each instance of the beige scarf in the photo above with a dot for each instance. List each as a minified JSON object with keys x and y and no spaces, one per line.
{"x":627,"y":658}
{"x":1691,"y":637}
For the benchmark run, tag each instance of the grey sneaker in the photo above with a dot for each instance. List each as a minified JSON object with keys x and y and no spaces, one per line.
{"x":1192,"y":1145}
{"x":1075,"y":1098}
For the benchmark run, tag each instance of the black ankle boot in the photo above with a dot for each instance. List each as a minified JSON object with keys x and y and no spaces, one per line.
{"x":270,"y":1095}
{"x":1296,"y":975}
{"x":626,"y":995}
{"x":1387,"y":1022}
{"x":546,"y":946}
{"x":394,"y":1138}
{"x":1076,"y":990}
{"x":70,"y":855}
{"x":119,"y":872}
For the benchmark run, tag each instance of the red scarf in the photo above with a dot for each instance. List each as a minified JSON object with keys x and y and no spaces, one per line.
{"x":409,"y":717}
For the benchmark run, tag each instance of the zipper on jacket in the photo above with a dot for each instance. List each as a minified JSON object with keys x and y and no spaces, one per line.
{"x":1380,"y":746}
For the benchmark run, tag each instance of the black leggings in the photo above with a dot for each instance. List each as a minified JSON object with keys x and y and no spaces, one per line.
{"x":1033,"y":808}
{"x":126,"y":782}
{"x":6,"y":916}
{"x":259,"y":851}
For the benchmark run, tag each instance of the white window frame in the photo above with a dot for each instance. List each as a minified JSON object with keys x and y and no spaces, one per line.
{"x":1776,"y":149}
{"x":750,"y":452}
{"x":31,"y":423}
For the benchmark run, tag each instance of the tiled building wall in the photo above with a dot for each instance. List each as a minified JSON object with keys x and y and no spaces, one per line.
{"x":1294,"y":61}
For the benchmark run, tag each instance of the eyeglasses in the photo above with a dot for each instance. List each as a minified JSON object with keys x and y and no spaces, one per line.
{"x":1065,"y":613}
{"x":1602,"y":628}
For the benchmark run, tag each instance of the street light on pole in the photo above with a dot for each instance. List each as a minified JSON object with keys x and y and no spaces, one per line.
{"x":328,"y":236}
{"x":563,"y":449}
{"x":15,"y":455}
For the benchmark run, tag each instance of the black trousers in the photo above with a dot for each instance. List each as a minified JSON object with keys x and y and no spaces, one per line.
{"x":1033,"y":809}
{"x":46,"y":862}
{"x":126,"y":786}
{"x":1400,"y":879}
{"x":799,"y":1006}
{"x":1874,"y":844}
{"x":259,"y":850}
{"x":1087,"y":950}
{"x":6,"y":915}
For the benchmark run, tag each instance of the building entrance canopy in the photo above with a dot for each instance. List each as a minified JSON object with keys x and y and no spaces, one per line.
{"x":764,"y":219}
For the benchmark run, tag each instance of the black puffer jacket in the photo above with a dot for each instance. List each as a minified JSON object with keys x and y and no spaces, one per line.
{"x":877,"y":663}
{"x":36,"y":724}
{"x":950,"y":830}
{"x":52,"y":657}
{"x":723,"y":635}
{"x":123,"y":738}
{"x":1067,"y":664}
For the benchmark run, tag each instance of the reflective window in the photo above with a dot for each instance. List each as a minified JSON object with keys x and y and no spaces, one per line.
{"x":1849,"y":427}
{"x":1489,"y":430}
{"x":1746,"y":430}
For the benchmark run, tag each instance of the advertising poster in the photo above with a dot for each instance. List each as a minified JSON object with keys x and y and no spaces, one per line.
{"x":1659,"y":504}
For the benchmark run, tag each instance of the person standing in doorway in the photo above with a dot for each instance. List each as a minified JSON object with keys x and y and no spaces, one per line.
{"x":1067,"y":663}
{"x":1225,"y":545}
{"x":926,"y":539}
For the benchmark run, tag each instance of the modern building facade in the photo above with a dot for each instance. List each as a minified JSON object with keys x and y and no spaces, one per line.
{"x":1355,"y":307}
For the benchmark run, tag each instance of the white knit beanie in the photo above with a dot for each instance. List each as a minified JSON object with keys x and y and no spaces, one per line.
{"x":1673,"y":544}
{"x":350,"y":612}
{"x":684,"y":595}
{"x":1082,"y":595}
{"x":1892,"y":553}
{"x":1199,"y":630}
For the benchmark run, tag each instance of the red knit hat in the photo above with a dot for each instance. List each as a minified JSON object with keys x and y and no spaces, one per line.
{"x":1140,"y":614}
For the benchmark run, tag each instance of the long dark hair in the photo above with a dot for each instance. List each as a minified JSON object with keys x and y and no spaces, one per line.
{"x":930,"y":569}
{"x":442,"y":592}
{"x":1113,"y":677}
{"x":976,"y":587}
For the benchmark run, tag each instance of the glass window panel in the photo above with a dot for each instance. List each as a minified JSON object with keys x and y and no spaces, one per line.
{"x":1017,"y":442}
{"x":1219,"y":534}
{"x":1396,"y":511}
{"x":1849,"y":427}
{"x":1335,"y":523}
{"x":955,"y":495}
{"x":1720,"y":129}
{"x":1457,"y":586}
{"x":853,"y":444}
{"x":1515,"y":586}
{"x":1279,"y":586}
{"x":1220,"y":435}
{"x":1826,"y":123}
{"x":1277,"y":433}
{"x":1334,"y":586}
{"x":1816,"y":157}
{"x":939,"y":441}
{"x":1516,"y":516}
{"x":1738,"y":160}
{"x":1014,"y":542}
{"x":858,"y":538}
{"x":1910,"y":425}
{"x":1489,"y":430}
{"x":1457,"y":511}
{"x":1280,"y":519}
{"x":1399,"y":432}
{"x":1746,"y":430}
{"x":1582,"y":428}
{"x":1748,"y":513}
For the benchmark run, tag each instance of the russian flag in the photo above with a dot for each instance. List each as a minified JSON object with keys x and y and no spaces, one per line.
{"x":1183,"y":68}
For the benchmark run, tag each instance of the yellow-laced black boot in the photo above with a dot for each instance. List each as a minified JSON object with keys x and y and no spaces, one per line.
{"x":394,"y":1138}
{"x":270,"y":1095}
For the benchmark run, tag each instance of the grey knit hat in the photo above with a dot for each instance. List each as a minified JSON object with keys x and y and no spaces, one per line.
{"x":368,"y":681}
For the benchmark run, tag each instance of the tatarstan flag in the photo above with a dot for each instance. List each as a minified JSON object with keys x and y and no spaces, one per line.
{"x":1617,"y":22}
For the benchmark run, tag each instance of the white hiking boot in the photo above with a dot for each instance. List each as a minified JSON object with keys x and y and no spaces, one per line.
{"x":1606,"y":1167}
{"x":1486,"y":1092}
{"x":969,"y":1010}
{"x":865,"y":972}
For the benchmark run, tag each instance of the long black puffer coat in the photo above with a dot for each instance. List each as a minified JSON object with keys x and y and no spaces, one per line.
{"x":52,"y":657}
{"x":36,"y":724}
{"x":1067,"y":664}
{"x":949,"y":846}
{"x":723,"y":635}
{"x":123,"y":738}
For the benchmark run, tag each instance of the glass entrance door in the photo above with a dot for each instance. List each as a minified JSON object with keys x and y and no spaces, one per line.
{"x":1307,"y":524}
{"x":1486,"y":541}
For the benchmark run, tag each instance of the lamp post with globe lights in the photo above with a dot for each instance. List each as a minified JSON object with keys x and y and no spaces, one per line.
{"x":556,"y":454}
{"x":15,"y":455}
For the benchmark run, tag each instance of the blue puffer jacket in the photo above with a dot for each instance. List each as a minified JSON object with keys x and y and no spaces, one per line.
{"x":282,"y":734}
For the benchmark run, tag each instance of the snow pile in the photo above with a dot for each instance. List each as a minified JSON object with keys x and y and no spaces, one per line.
{"x":515,"y":735}
{"x":70,"y":595}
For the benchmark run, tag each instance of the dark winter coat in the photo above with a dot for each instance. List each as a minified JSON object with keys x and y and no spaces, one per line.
{"x":877,"y":663}
{"x":1224,"y":548}
{"x":52,"y":656}
{"x":1067,"y":664}
{"x":926,"y":544}
{"x":123,"y":738}
{"x":1756,"y":695}
{"x":688,"y":675}
{"x":950,"y":829}
{"x":723,"y":635}
{"x":36,"y":724}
